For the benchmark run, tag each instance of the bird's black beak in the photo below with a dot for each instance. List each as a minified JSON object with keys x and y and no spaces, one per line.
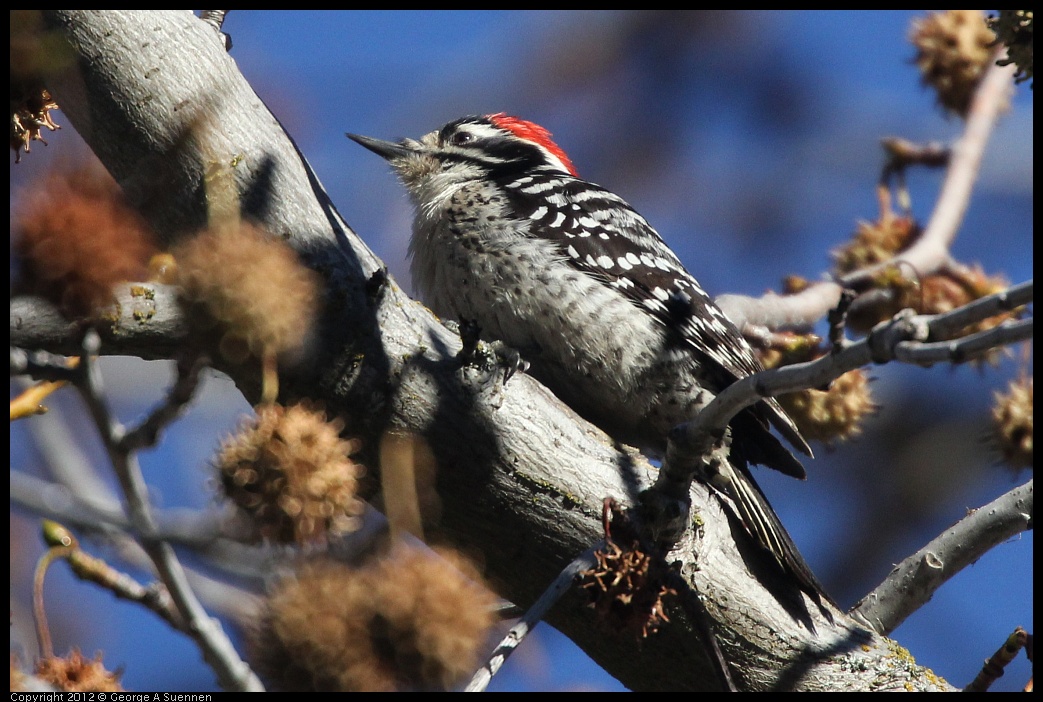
{"x":388,"y":150}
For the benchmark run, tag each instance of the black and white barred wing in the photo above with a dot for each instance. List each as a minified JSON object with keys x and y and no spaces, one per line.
{"x":601,"y":235}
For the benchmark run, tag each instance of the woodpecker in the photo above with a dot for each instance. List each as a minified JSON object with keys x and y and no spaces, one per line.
{"x":507,"y":235}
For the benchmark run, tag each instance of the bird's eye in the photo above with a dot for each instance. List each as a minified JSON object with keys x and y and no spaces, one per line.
{"x":461,"y":138}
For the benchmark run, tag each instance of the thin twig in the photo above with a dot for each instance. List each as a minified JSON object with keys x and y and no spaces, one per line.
{"x":931,"y":250}
{"x":30,"y":401}
{"x":932,"y":247}
{"x":43,"y":632}
{"x":146,"y":434}
{"x":155,"y":597}
{"x":218,"y":651}
{"x":879,"y":346}
{"x":68,"y":462}
{"x":946,"y":324}
{"x":199,"y":530}
{"x":211,"y":534}
{"x":890,"y":340}
{"x":535,"y":613}
{"x":42,"y":365}
{"x":992,"y":669}
{"x":959,"y":350}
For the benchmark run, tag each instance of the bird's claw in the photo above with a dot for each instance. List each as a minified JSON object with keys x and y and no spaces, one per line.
{"x":488,"y":355}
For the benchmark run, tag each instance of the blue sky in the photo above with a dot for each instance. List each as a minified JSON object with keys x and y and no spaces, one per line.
{"x":751,"y":142}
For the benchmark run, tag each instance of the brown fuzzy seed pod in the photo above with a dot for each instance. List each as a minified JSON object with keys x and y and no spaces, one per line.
{"x":406,"y":620}
{"x":953,"y":50}
{"x":251,"y":289}
{"x":77,"y":673}
{"x":1012,"y":419}
{"x":76,"y":238}
{"x":291,"y":472}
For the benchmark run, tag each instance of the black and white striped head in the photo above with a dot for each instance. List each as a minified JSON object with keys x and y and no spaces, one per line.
{"x":470,"y":148}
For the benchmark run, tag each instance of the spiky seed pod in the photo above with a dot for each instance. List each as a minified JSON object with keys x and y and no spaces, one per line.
{"x":77,"y":673}
{"x":1014,"y":30}
{"x":875,"y":242}
{"x":249,"y":288}
{"x":75,"y":238}
{"x":952,"y":51}
{"x":1012,"y":420}
{"x":291,"y":472}
{"x":871,"y":244}
{"x":627,"y":589}
{"x":31,"y":114}
{"x":314,"y":633}
{"x":438,"y":614}
{"x":36,"y":52}
{"x":880,"y":241}
{"x":406,"y":620}
{"x":628,"y":585}
{"x":835,"y":414}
